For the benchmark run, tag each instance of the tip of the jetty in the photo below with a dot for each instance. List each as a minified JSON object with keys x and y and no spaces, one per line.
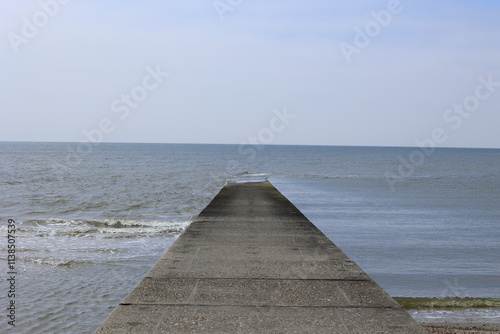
{"x":247,"y":177}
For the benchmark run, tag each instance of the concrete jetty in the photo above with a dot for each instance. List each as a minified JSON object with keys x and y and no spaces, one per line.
{"x":251,"y":262}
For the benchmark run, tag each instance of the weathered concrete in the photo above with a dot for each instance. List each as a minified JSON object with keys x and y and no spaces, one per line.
{"x":251,"y":262}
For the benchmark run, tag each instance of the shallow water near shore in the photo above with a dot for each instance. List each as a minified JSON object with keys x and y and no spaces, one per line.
{"x":89,"y":227}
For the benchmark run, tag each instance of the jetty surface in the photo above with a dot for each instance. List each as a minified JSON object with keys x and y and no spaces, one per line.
{"x":251,"y":262}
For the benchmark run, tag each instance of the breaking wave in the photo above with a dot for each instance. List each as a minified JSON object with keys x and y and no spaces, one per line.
{"x":106,"y":228}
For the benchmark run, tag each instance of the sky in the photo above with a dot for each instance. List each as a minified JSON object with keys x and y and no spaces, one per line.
{"x":320,"y":72}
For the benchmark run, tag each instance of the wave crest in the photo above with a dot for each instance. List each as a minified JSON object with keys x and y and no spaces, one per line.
{"x":105,"y":228}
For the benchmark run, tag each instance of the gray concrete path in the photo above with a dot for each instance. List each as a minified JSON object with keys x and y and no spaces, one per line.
{"x":251,"y":262}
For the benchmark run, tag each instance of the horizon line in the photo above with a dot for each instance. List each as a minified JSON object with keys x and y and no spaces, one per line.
{"x":234,"y":144}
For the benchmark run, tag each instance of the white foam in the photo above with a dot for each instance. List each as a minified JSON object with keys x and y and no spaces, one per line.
{"x":248,"y":178}
{"x":105,"y":228}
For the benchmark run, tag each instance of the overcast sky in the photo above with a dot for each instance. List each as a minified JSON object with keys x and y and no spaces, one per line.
{"x":383,"y":73}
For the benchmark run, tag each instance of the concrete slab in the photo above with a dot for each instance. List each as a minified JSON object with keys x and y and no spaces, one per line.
{"x":139,"y":319}
{"x":258,"y":292}
{"x":251,"y":262}
{"x":215,"y":268}
{"x":319,"y":253}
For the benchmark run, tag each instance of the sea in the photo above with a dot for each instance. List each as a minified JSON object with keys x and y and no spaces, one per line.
{"x":89,"y":220}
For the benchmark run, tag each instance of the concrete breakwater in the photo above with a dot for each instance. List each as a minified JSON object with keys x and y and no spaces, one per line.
{"x":251,"y":262}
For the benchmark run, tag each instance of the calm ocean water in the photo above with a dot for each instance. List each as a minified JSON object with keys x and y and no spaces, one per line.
{"x":92,"y":220}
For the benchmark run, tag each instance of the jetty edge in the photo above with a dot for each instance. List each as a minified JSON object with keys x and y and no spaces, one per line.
{"x":251,"y":262}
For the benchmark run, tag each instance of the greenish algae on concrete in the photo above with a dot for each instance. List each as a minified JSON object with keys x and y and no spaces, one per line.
{"x":251,"y":262}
